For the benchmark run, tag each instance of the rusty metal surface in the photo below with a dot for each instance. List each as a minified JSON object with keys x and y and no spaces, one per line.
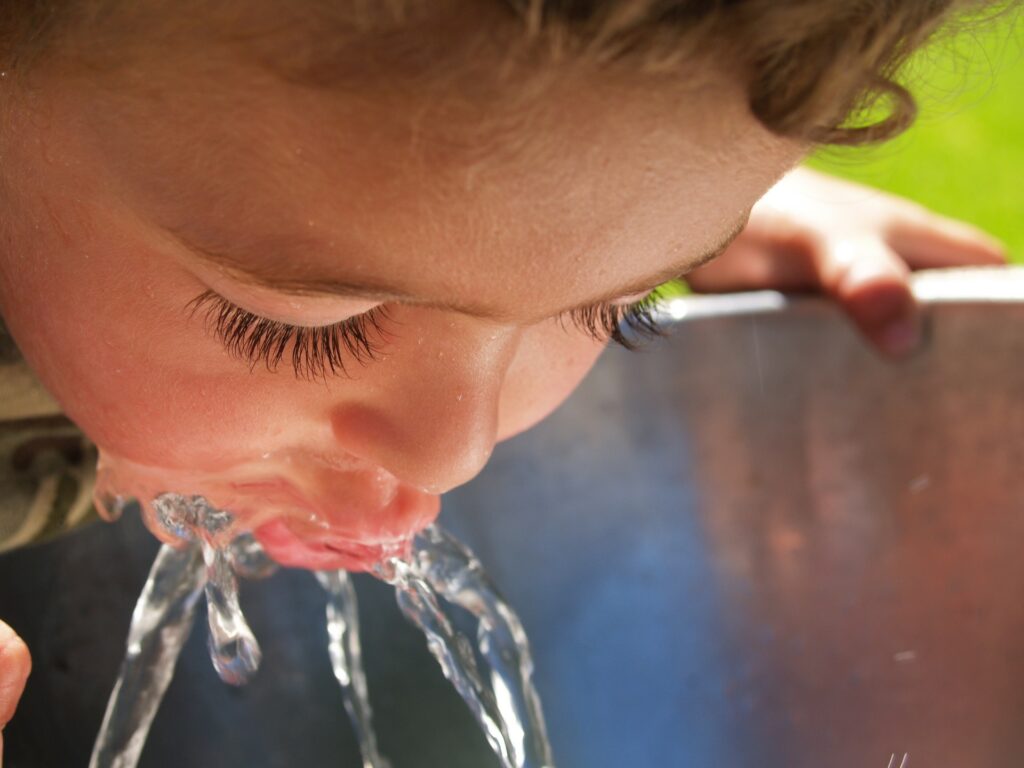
{"x":755,"y":544}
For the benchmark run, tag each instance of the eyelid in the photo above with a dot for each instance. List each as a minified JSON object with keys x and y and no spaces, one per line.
{"x":633,"y":298}
{"x":305,"y":314}
{"x":299,"y":311}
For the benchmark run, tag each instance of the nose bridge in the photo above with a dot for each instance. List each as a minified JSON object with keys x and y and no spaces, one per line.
{"x":429,"y":413}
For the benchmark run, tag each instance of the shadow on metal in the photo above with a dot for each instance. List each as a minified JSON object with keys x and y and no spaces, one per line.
{"x":753,"y":545}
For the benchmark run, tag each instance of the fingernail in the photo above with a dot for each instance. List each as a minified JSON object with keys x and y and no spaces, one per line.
{"x":901,"y":338}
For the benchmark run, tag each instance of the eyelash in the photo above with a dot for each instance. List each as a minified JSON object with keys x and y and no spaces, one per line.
{"x":317,"y":352}
{"x":628,"y":325}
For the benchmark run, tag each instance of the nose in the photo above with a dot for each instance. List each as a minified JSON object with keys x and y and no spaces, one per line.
{"x":428,"y":412}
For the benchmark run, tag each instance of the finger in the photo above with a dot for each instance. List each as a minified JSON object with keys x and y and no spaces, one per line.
{"x":927,"y":240}
{"x":871,"y":283}
{"x":15,"y":665}
{"x":753,"y":265}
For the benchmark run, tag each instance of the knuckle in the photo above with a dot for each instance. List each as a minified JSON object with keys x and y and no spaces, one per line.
{"x":15,"y":665}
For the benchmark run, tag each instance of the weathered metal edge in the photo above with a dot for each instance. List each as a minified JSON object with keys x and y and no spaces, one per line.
{"x":960,"y":285}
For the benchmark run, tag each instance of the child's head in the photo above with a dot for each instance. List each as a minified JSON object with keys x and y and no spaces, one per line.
{"x":216,"y":214}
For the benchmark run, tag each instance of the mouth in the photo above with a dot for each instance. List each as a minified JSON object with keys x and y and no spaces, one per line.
{"x":317,"y":536}
{"x":326,"y":553}
{"x":305,"y":514}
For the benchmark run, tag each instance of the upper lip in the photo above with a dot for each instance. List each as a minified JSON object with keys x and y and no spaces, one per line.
{"x":354,"y":517}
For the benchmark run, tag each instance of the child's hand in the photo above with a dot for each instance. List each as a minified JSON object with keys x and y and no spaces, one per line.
{"x":14,"y":668}
{"x":811,"y":231}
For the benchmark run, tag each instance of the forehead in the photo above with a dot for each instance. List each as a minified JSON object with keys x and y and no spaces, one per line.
{"x":475,"y":195}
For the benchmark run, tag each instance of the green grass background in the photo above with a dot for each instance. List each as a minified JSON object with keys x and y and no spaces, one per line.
{"x":964,"y":157}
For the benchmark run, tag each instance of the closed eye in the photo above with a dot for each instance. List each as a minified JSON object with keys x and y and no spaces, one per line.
{"x":625,"y":324}
{"x":314,"y":352}
{"x":321,"y":351}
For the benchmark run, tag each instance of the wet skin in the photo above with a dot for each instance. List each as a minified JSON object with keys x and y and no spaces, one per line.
{"x":133,"y":199}
{"x":473,"y":204}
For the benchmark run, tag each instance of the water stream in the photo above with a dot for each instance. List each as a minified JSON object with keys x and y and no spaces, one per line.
{"x":494,"y":672}
{"x":438,"y":586}
{"x":347,"y":661}
{"x":160,"y":625}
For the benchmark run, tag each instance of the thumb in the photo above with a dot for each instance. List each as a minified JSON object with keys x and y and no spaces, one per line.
{"x":15,"y":665}
{"x":872,"y":284}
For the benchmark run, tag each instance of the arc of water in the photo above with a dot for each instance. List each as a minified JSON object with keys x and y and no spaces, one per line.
{"x":346,"y":656}
{"x":504,"y":701}
{"x":163,"y":618}
{"x":418,"y":602}
{"x":233,"y":648}
{"x":161,"y":623}
{"x":458,"y":576}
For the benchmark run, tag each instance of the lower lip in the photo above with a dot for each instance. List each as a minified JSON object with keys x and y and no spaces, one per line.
{"x":324,"y":554}
{"x":358,"y":549}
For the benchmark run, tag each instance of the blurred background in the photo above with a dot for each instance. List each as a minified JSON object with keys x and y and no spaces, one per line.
{"x":964,"y":157}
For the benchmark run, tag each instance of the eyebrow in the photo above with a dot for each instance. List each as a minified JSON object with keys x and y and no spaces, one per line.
{"x":381,"y":291}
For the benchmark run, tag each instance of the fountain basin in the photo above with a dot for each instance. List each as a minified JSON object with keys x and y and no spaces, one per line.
{"x":755,"y":544}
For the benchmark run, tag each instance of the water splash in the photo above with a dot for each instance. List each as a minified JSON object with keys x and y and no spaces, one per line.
{"x":504,"y":700}
{"x":347,"y":661}
{"x":164,"y":615}
{"x":110,"y":505}
{"x":233,"y":648}
{"x":434,"y":580}
{"x":455,"y":572}
{"x":161,"y":624}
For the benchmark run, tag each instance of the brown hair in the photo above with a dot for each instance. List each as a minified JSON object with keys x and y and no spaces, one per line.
{"x":820,"y":70}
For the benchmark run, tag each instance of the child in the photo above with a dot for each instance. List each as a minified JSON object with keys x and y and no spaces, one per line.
{"x":313,"y":260}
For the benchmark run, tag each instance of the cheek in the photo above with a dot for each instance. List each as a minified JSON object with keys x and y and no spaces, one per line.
{"x":549,"y":364}
{"x":104,"y":324}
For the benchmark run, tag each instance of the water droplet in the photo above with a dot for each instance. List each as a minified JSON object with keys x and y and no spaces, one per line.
{"x":212,"y":520}
{"x":175,"y":514}
{"x":248,"y":558}
{"x":109,"y":505}
{"x":233,"y":648}
{"x":390,"y":570}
